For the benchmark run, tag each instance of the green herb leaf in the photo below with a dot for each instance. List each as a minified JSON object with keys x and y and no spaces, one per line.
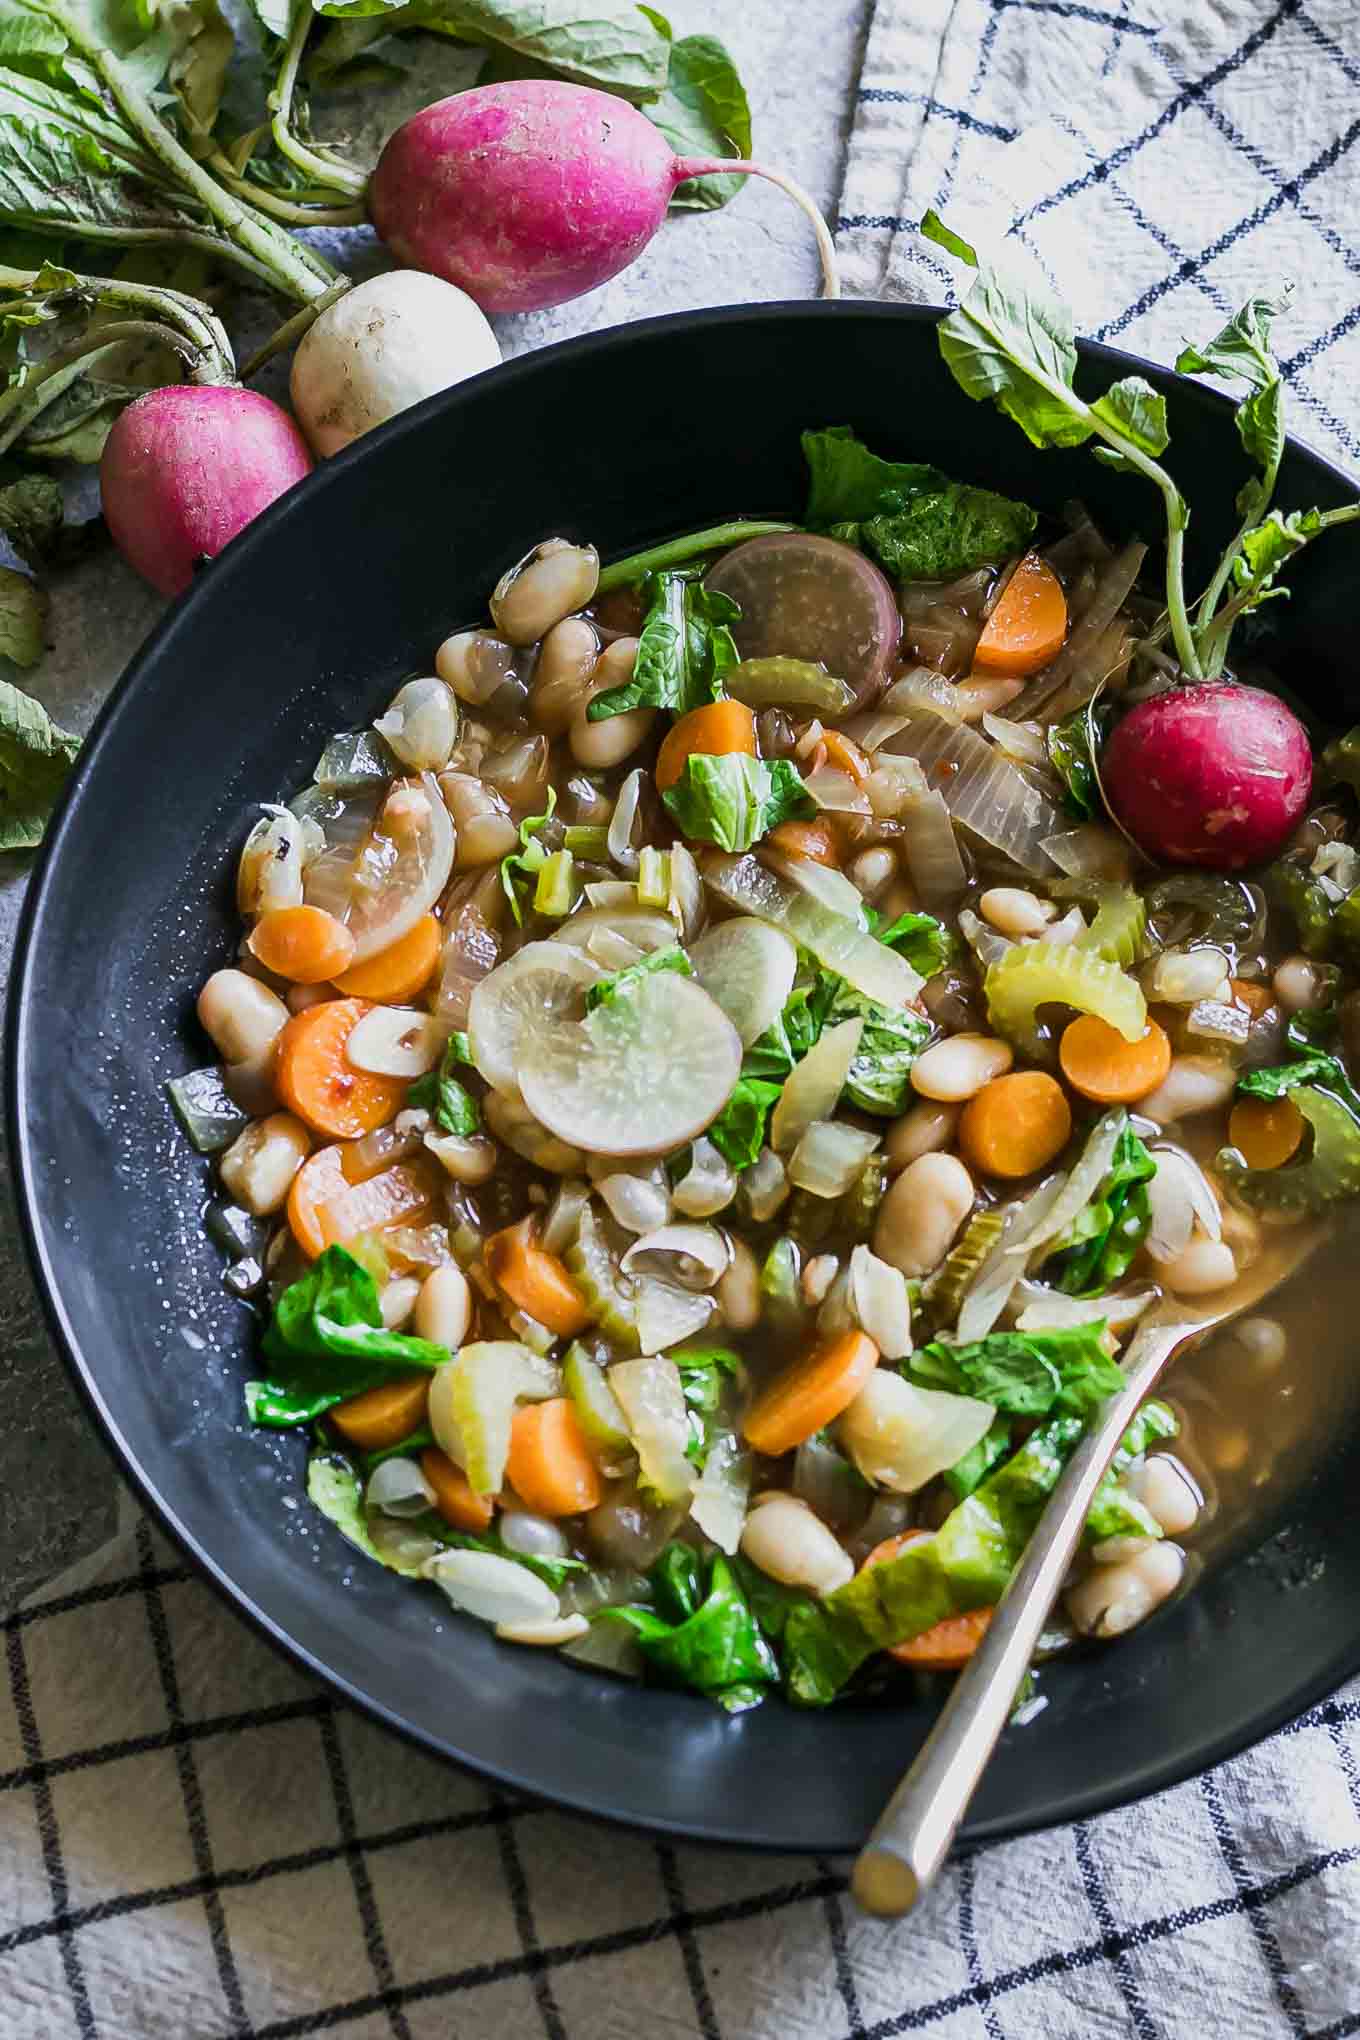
{"x":849,"y":484}
{"x":1098,"y":1247}
{"x":327,"y":1342}
{"x":925,"y":942}
{"x":734,"y":800}
{"x":879,"y":1080}
{"x":915,"y":522}
{"x":684,"y":649}
{"x":970,"y":1471}
{"x":1025,"y":1374}
{"x":1136,"y":410}
{"x":703,"y":111}
{"x":520,"y":869}
{"x":1266,"y":548}
{"x":1311,"y":1068}
{"x":1072,"y":755}
{"x":1241,"y":351}
{"x":443,"y":1096}
{"x":619,"y":983}
{"x":716,"y":1647}
{"x":738,"y":1132}
{"x":35,"y":759}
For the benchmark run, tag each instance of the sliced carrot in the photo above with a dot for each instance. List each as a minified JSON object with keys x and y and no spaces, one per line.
{"x":714,"y":730}
{"x":550,"y":1466}
{"x":314,"y":1079}
{"x":811,"y":1393}
{"x":1257,"y":999}
{"x":398,"y":973}
{"x":1097,"y":1061}
{"x":456,"y":1500}
{"x":535,"y":1281}
{"x":320,"y":1178}
{"x":383,"y":1416}
{"x":1027,"y":628}
{"x":1267,"y":1131}
{"x":1015,"y":1124}
{"x":304,"y":944}
{"x":948,"y":1645}
{"x":845,"y":755}
{"x":402,"y":1195}
{"x":816,"y":840}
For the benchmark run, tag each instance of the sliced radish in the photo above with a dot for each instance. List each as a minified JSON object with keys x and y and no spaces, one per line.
{"x":540,"y":985}
{"x":402,"y":869}
{"x":394,"y":1041}
{"x":835,"y":940}
{"x":644,"y":929}
{"x":749,"y":968}
{"x":639,"y":1075}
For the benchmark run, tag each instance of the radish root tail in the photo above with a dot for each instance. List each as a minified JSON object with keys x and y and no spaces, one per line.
{"x":737,"y":166}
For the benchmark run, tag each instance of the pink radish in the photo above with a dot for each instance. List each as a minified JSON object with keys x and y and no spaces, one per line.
{"x":527,"y":194}
{"x":1212,"y":774}
{"x":187,"y":467}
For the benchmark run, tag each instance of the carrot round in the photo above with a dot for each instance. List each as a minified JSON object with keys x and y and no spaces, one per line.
{"x":314,"y":1080}
{"x":535,"y":1281}
{"x":383,"y":1416}
{"x":813,"y":1392}
{"x":1027,"y":628}
{"x":716,"y":729}
{"x":398,"y":973}
{"x":402,"y":1195}
{"x":816,"y":840}
{"x":948,"y":1645}
{"x":320,"y":1178}
{"x":1267,"y":1131}
{"x":1015,"y":1125}
{"x":1098,"y":1062}
{"x":456,"y":1500}
{"x":304,"y":944}
{"x":550,"y":1465}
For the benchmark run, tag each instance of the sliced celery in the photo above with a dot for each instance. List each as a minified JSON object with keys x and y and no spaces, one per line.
{"x":556,"y":889}
{"x":654,"y":877}
{"x":788,"y":683}
{"x":944,"y":1292}
{"x":1331,"y":1172}
{"x":484,"y":1381}
{"x":612,"y":1298}
{"x":653,"y":1403}
{"x":597,"y":1406}
{"x":1116,"y":932}
{"x":1039,"y":974}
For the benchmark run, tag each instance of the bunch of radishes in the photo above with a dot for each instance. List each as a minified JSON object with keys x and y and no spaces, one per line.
{"x":507,"y":198}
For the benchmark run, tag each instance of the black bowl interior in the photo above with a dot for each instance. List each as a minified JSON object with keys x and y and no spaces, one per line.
{"x":303,"y":627}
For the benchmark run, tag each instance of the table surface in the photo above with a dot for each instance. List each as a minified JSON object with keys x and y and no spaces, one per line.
{"x":58,"y":1490}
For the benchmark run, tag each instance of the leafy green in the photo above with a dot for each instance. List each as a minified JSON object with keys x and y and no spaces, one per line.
{"x":1339,"y":764}
{"x":32,"y":518}
{"x":976,"y":1464}
{"x":915,"y":522}
{"x":619,"y":983}
{"x":1328,"y":1175}
{"x":710,"y":1640}
{"x":440,"y":1093}
{"x":1241,"y":352}
{"x":1024,"y":1374}
{"x":738,"y":1132}
{"x":702,"y":1372}
{"x":703,"y":112}
{"x":520,"y":869}
{"x":1325,"y":925}
{"x":925,"y":942}
{"x":35,"y":759}
{"x":405,"y":1448}
{"x":733,"y":800}
{"x":1310,"y":1066}
{"x":333,"y":1487}
{"x":684,"y":649}
{"x":1102,"y":1240}
{"x":1072,"y":754}
{"x":611,"y":44}
{"x":327,"y":1342}
{"x":890,"y":1041}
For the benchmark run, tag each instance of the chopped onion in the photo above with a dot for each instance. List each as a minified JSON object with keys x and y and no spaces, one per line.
{"x":873,"y":729}
{"x":830,"y":1156}
{"x":996,"y":1278}
{"x":347,"y":823}
{"x":421,"y":725}
{"x":709,"y":1184}
{"x":924,"y":692}
{"x":1219,"y":1020}
{"x":609,"y":949}
{"x":1062,"y":934}
{"x":493,"y":1588}
{"x":1090,"y":851}
{"x":694,"y":1256}
{"x":837,"y":791}
{"x":403,"y":868}
{"x":666,"y":1315}
{"x":765,"y":1186}
{"x":987,"y":946}
{"x":652,"y":1399}
{"x":563,"y":1222}
{"x":644,"y":928}
{"x":686,"y":901}
{"x":749,"y":968}
{"x":881,"y":1303}
{"x":836,"y":942}
{"x":532,"y":1536}
{"x":640,"y":1204}
{"x":382,"y":1147}
{"x":813,"y":1089}
{"x":901,"y":1436}
{"x":932,"y":851}
{"x":719,"y":1504}
{"x":471,"y":944}
{"x":612,"y":892}
{"x":608,"y":1647}
{"x":983,"y":790}
{"x":353,"y":760}
{"x":1023,"y":741}
{"x":418,"y":1246}
{"x":1111,"y":590}
{"x":826,"y":1481}
{"x":399,"y":1488}
{"x":820,"y":882}
{"x":1046,"y":1308}
{"x":894,"y":784}
{"x":270,"y":871}
{"x":399,"y":1544}
{"x":621,"y":822}
{"x":1179,"y":1196}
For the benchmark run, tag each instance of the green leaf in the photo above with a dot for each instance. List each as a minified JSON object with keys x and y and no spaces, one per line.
{"x":970,"y":1471}
{"x":274,"y":16}
{"x":1072,"y":756}
{"x":327,"y":1342}
{"x":925,"y":942}
{"x":443,"y":1096}
{"x":333,"y":1487}
{"x":684,"y":649}
{"x":879,"y":1080}
{"x":611,"y":44}
{"x":31,"y":517}
{"x":35,"y":759}
{"x":1098,"y":1247}
{"x":1024,"y":1374}
{"x":1241,"y":351}
{"x":197,"y":71}
{"x":67,"y":165}
{"x":703,"y":111}
{"x":734,"y":800}
{"x":1311,"y":1068}
{"x":916,"y":522}
{"x":848,"y":484}
{"x":619,"y":983}
{"x":23,"y":617}
{"x":1268,"y":547}
{"x":717,"y":1647}
{"x":520,"y":869}
{"x":738,"y":1132}
{"x":1137,"y":411}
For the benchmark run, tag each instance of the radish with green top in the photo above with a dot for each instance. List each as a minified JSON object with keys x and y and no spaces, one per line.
{"x":527,"y":194}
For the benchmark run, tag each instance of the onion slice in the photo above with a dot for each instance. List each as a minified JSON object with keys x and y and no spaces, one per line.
{"x":836,"y":941}
{"x":983,"y":790}
{"x":411,"y":867}
{"x":813,"y":1090}
{"x":749,"y":968}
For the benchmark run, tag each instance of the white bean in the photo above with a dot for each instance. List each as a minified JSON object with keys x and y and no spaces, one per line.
{"x":242,"y":1016}
{"x":920,"y":1217}
{"x":468,"y":1157}
{"x":562,"y":675}
{"x":957,"y":1069}
{"x":421,"y":724}
{"x":1167,"y":1489}
{"x":1013,"y":911}
{"x":818,"y":1275}
{"x":738,"y":1289}
{"x":1263,"y":1343}
{"x":1299,"y":985}
{"x":784,"y":1539}
{"x":872,"y":871}
{"x":475,"y":665}
{"x":599,"y":746}
{"x":261,"y":1163}
{"x":1200,"y":1269}
{"x":925,"y":1128}
{"x":397,"y":1300}
{"x":486,"y":830}
{"x":1115,"y":1598}
{"x":1194,"y":1083}
{"x":548,"y":584}
{"x":443,"y":1309}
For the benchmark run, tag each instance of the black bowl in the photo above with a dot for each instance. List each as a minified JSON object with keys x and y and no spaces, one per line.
{"x":302,"y":627}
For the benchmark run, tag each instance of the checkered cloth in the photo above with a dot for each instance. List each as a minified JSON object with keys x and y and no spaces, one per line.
{"x":197,"y":1843}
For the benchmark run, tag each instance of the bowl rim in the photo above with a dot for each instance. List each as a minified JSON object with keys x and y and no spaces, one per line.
{"x":1154,"y":1777}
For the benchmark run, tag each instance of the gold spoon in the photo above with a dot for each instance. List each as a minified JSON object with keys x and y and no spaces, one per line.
{"x":913,"y":1835}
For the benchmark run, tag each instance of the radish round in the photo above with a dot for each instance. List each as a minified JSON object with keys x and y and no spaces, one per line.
{"x":1210,"y":774}
{"x":187,"y":467}
{"x":382,"y":347}
{"x":528,"y":193}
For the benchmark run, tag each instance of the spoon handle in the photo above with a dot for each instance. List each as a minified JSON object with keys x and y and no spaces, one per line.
{"x":913,"y":1835}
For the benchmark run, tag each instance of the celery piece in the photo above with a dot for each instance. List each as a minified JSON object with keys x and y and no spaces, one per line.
{"x":654,"y":878}
{"x":596,"y":1405}
{"x":1036,"y":974}
{"x":609,"y":1294}
{"x":589,"y":840}
{"x":556,"y":890}
{"x":485,"y":1380}
{"x":1116,"y":933}
{"x":1330,"y":1173}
